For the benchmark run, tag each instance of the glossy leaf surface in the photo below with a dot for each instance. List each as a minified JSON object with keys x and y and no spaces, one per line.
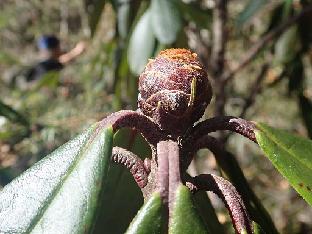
{"x":185,"y":218}
{"x":149,"y":217}
{"x":291,"y":155}
{"x":121,"y":188}
{"x":59,"y":193}
{"x":142,"y":44}
{"x":166,"y":20}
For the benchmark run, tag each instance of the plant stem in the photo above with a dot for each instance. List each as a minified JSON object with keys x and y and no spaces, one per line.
{"x":231,"y":123}
{"x":133,"y":119}
{"x":230,"y":197}
{"x":174,"y":172}
{"x":230,"y":166}
{"x":163,"y":171}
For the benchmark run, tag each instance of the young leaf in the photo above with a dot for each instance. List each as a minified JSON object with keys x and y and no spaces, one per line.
{"x":142,"y":44}
{"x":185,"y":218}
{"x":166,"y":20}
{"x":291,"y":155}
{"x":149,"y":218}
{"x":59,"y":192}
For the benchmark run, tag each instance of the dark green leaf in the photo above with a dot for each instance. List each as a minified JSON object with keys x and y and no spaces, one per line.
{"x":185,"y":218}
{"x":249,"y":11}
{"x":166,"y":20}
{"x":59,"y":193}
{"x":305,"y":28}
{"x":280,"y":13}
{"x":142,"y":44}
{"x":7,"y":174}
{"x":121,"y":200}
{"x":12,"y":115}
{"x":94,"y":10}
{"x":121,"y":188}
{"x":291,"y":155}
{"x":276,"y":17}
{"x":306,"y":113}
{"x":149,"y":218}
{"x":206,"y":210}
{"x":295,"y":73}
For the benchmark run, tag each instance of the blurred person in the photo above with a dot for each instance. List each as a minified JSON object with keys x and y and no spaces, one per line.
{"x":51,"y":57}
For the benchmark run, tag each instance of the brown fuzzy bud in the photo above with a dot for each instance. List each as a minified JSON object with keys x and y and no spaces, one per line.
{"x":174,"y":90}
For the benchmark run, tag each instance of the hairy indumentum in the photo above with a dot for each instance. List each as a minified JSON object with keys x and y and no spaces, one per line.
{"x":174,"y":90}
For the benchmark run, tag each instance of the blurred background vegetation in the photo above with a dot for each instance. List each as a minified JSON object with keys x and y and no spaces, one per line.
{"x":258,"y":55}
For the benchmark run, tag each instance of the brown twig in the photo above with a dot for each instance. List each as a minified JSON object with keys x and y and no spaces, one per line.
{"x":230,"y":166}
{"x":193,"y":138}
{"x":230,"y":197}
{"x":219,"y":37}
{"x":249,"y":56}
{"x":134,"y":119}
{"x":254,"y":91}
{"x":234,"y":124}
{"x":218,"y":53}
{"x":265,"y":40}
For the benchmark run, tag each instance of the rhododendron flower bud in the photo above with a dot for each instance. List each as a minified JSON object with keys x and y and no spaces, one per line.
{"x":174,"y":90}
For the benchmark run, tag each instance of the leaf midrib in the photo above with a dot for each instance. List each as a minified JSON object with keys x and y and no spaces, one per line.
{"x":283,"y":147}
{"x":65,"y":177}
